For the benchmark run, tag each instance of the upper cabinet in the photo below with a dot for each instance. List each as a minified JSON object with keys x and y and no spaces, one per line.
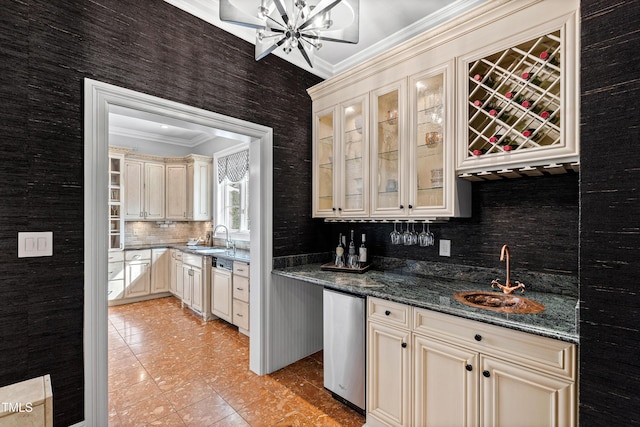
{"x":116,"y":219}
{"x":188,"y":188}
{"x":490,"y":94}
{"x":145,"y":190}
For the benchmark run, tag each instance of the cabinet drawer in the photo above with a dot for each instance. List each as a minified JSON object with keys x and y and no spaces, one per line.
{"x":116,"y":270}
{"x":241,"y":314}
{"x":192,"y":260}
{"x":115,"y":289}
{"x":241,"y":288}
{"x":391,"y":313}
{"x":136,"y":255}
{"x":116,"y":256}
{"x":240,"y":269}
{"x":553,"y":356}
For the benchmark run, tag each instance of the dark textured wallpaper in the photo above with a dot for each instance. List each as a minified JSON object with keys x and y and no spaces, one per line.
{"x":610,"y":215}
{"x":46,"y":50}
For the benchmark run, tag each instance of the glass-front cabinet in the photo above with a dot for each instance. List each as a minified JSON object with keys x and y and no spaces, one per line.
{"x":388,"y":150}
{"x":340,"y":160}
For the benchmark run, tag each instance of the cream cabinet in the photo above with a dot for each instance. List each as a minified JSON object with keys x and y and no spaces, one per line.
{"x":145,"y":190}
{"x":116,"y":193}
{"x":188,"y":188}
{"x":137,"y":273}
{"x":241,"y":292}
{"x":341,"y":160}
{"x":176,"y":282}
{"x":429,"y":369}
{"x":194,"y":289}
{"x":160,"y":262}
{"x":115,"y":283}
{"x":222,"y":294}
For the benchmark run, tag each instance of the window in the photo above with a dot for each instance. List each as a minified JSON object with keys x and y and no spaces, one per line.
{"x":232,"y":191}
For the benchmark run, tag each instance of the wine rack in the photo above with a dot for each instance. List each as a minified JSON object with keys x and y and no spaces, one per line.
{"x":514,"y":102}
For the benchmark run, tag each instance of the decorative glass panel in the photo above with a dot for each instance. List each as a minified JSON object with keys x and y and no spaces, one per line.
{"x":388,"y":160}
{"x":352,"y":158}
{"x":325,"y":162}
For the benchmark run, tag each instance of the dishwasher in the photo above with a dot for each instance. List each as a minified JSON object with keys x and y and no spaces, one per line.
{"x":344,"y":347}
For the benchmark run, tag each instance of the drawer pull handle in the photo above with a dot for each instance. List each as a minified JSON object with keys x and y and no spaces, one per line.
{"x":404,"y":345}
{"x":240,"y":289}
{"x":478,"y":337}
{"x":469,"y":367}
{"x":387,"y":312}
{"x":486,"y":373}
{"x":238,"y":314}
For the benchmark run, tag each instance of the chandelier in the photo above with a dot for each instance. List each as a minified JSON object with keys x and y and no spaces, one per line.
{"x":300,"y":25}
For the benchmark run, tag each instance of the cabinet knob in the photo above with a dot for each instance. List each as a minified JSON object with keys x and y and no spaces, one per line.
{"x":410,"y":206}
{"x":478,"y":337}
{"x":340,"y":209}
{"x":386,"y":313}
{"x":469,"y":367}
{"x":486,"y":373}
{"x":401,"y":206}
{"x":334,"y":209}
{"x":404,"y":345}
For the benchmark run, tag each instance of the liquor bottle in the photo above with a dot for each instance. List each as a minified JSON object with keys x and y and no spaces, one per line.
{"x":339,"y":253}
{"x":362,"y":252}
{"x":352,"y":259}
{"x":487,"y":82}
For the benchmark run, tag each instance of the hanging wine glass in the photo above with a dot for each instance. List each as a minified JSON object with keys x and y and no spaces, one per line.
{"x":406,"y":237}
{"x":423,"y":237}
{"x":414,"y":234}
{"x":395,"y":235}
{"x":432,"y":240}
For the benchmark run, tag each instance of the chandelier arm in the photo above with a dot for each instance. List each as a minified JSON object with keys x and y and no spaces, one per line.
{"x":282,"y":8}
{"x":267,"y":51}
{"x":304,"y":54}
{"x":230,"y":13}
{"x":331,"y":39}
{"x":322,"y":7}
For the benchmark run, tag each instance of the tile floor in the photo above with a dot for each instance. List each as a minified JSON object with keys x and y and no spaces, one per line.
{"x":168,"y":368}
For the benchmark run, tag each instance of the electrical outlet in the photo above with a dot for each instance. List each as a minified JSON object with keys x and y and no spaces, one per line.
{"x":445,"y":247}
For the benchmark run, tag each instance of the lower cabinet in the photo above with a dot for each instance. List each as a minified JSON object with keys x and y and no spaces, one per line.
{"x":432,"y":369}
{"x":176,"y":283}
{"x":241,"y":296}
{"x":160,"y":261}
{"x":137,"y":275}
{"x":222,"y":294}
{"x":193,"y":283}
{"x":115,"y":283}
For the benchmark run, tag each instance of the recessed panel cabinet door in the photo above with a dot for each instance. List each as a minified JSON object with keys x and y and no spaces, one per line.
{"x":134,"y":190}
{"x":176,"y":192}
{"x":221,"y":294}
{"x":445,"y":384}
{"x":137,"y":279}
{"x":516,"y":396}
{"x":388,"y":363}
{"x":154,"y":191}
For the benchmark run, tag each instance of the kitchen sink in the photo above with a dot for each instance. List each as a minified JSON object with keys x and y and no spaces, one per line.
{"x":206,"y":250}
{"x":499,"y":302}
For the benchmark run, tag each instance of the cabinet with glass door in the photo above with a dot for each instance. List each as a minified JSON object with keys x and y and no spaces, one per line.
{"x":340,"y":160}
{"x":387,"y":150}
{"x":433,"y":189}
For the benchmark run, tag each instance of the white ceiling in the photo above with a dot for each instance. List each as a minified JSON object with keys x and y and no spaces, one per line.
{"x":383,"y":25}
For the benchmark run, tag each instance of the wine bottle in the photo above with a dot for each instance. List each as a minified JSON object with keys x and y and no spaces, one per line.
{"x":529,"y":133}
{"x":546,"y":114}
{"x":352,"y":258}
{"x":546,"y":56}
{"x":513,"y":96}
{"x":528,"y":104}
{"x":489,"y":108}
{"x":362,"y":252}
{"x":339,"y":253}
{"x":478,"y":153}
{"x":532,"y":78}
{"x":487,"y":82}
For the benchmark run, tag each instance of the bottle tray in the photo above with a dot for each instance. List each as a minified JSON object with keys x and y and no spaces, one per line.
{"x":332,"y":267}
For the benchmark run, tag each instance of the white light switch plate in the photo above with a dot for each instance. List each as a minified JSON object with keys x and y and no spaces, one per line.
{"x":35,"y":244}
{"x":445,"y":247}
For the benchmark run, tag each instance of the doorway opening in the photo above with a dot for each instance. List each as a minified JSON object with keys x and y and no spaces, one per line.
{"x":99,"y":99}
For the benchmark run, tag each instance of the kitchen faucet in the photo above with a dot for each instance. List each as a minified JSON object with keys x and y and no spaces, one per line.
{"x":227,"y":240}
{"x":507,"y":288}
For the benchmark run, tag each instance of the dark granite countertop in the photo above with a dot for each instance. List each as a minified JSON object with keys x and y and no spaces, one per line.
{"x":240,"y":254}
{"x":557,"y":321}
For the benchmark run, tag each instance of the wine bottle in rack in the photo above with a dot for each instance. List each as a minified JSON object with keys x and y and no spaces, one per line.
{"x":545,"y":115}
{"x":528,"y":104}
{"x":514,"y":96}
{"x":530,"y":134}
{"x":487,"y":82}
{"x":531,"y":78}
{"x":549,"y":58}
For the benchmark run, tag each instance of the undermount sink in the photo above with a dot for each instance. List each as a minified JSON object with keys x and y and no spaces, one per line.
{"x":499,"y":302}
{"x":207,"y":249}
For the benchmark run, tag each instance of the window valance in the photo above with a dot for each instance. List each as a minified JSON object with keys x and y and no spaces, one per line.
{"x":234,"y":166}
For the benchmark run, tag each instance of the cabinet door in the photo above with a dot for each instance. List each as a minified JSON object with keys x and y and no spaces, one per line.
{"x":221,"y":294}
{"x":160,"y":261}
{"x":187,"y":282}
{"x":197,"y":293}
{"x":353,"y":176}
{"x":134,"y":190}
{"x":513,"y":395}
{"x":388,"y":381}
{"x":445,"y":384}
{"x":324,"y":160}
{"x":200,"y":191}
{"x":431,"y":164}
{"x":387,"y":151}
{"x":179,"y":278}
{"x":176,"y":192}
{"x":137,"y":279}
{"x":154,"y":187}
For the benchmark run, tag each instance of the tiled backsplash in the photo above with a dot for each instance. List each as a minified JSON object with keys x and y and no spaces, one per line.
{"x":146,"y":232}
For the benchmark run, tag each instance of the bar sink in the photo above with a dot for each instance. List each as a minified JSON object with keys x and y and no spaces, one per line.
{"x":505,"y":303}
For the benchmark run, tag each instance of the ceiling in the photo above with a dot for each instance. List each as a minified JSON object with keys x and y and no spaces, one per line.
{"x":383,"y":25}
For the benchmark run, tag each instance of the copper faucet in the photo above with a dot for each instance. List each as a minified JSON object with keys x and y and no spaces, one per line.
{"x":507,"y":288}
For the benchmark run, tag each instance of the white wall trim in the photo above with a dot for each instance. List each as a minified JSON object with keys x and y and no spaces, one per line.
{"x":98,"y":98}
